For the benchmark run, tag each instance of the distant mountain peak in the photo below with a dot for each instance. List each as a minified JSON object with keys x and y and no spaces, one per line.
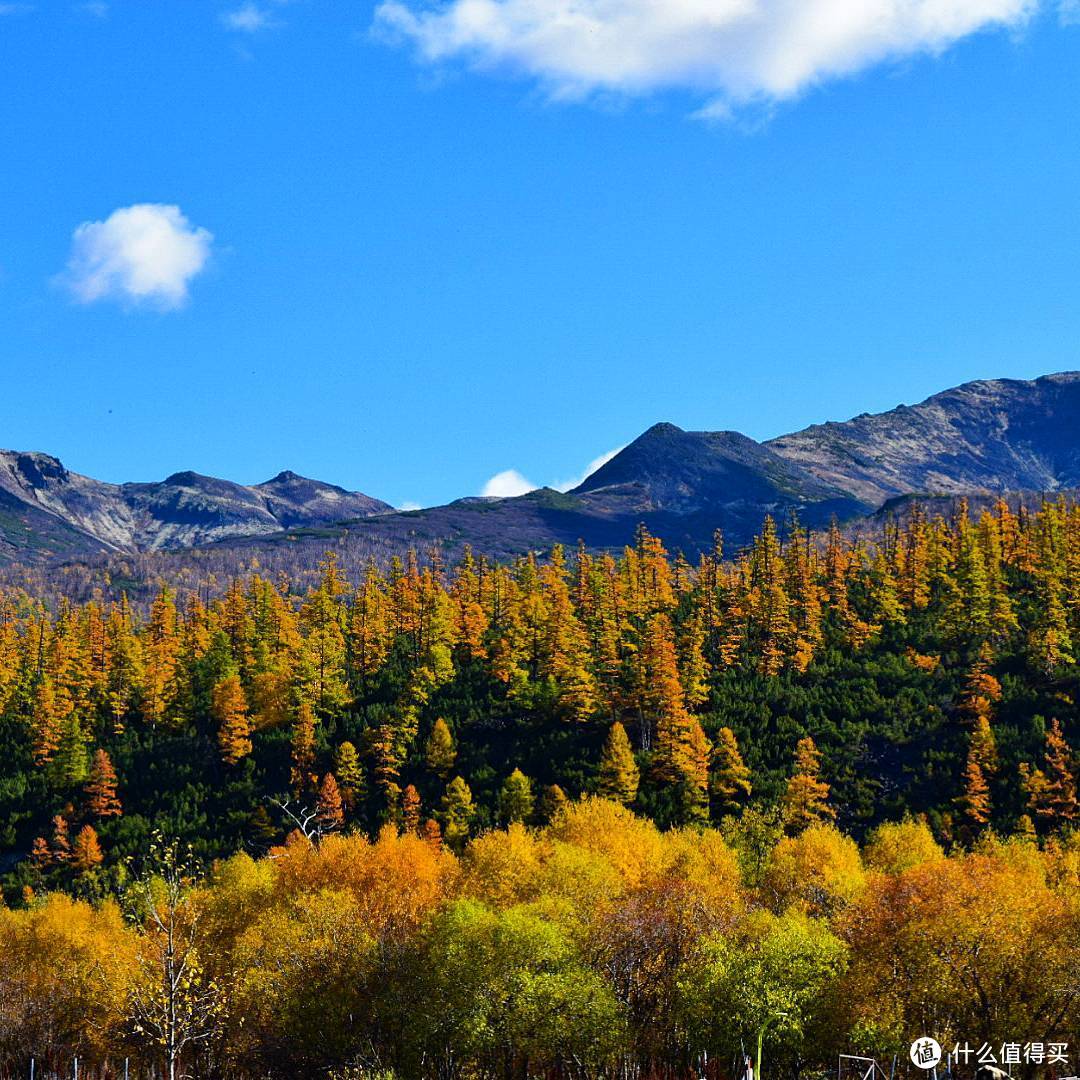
{"x":286,"y":476}
{"x":187,"y":479}
{"x":74,"y":512}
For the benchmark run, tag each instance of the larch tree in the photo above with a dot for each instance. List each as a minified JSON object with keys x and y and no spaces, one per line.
{"x":439,"y":751}
{"x":349,"y":773}
{"x":974,"y":800}
{"x":553,"y":802}
{"x":229,"y":708}
{"x":805,"y":800}
{"x":61,"y":840}
{"x":410,"y":810}
{"x":731,"y":777}
{"x":86,"y":854}
{"x":40,"y":855}
{"x":328,"y":806}
{"x":45,"y":723}
{"x":680,"y":743}
{"x":102,"y":800}
{"x":457,"y":812}
{"x":302,"y":747}
{"x":695,"y":786}
{"x":1060,"y":771}
{"x":619,"y":775}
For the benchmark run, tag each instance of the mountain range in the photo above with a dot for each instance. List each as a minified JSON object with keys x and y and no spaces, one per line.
{"x":983,"y":437}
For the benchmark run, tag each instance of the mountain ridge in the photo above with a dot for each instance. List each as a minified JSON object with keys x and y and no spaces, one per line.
{"x":185,"y":509}
{"x":985,"y":436}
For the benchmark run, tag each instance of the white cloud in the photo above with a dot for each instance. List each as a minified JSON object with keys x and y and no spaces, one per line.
{"x":147,"y":253}
{"x":731,"y":51}
{"x":506,"y":484}
{"x":410,"y":506}
{"x":251,"y":17}
{"x":593,"y":465}
{"x":97,"y":8}
{"x":1069,"y":12}
{"x":510,"y":482}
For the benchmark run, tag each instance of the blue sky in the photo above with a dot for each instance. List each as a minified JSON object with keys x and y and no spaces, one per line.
{"x":414,"y":248}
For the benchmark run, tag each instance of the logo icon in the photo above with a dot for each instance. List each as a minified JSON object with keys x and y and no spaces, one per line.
{"x":925,"y":1052}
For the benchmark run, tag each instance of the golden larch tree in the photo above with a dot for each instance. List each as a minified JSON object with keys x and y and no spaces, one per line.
{"x":619,"y":775}
{"x":102,"y":800}
{"x":805,"y":800}
{"x":229,"y":707}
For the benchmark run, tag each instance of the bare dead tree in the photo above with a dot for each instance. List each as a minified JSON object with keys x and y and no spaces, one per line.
{"x":310,"y":823}
{"x":174,"y":1005}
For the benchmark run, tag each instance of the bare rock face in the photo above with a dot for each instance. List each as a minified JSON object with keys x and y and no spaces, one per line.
{"x":999,"y":435}
{"x":46,"y":509}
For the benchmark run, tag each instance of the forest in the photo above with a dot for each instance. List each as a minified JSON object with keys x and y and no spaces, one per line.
{"x":579,"y":814}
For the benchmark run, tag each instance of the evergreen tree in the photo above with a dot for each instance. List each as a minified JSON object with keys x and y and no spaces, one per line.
{"x":516,"y":798}
{"x":71,"y":764}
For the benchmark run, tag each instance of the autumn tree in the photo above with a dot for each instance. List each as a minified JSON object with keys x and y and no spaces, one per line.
{"x":457,"y":812}
{"x":439,"y":751}
{"x":102,"y":800}
{"x":349,"y":773}
{"x":176,"y":1005}
{"x":410,"y":810}
{"x":1051,"y":791}
{"x":331,"y":814}
{"x":730,"y":776}
{"x":805,"y":798}
{"x":45,"y":722}
{"x":229,"y":707}
{"x":681,"y":752}
{"x":974,"y":801}
{"x":61,"y":840}
{"x":86,"y":854}
{"x":302,"y":747}
{"x":618,"y":773}
{"x":553,"y":802}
